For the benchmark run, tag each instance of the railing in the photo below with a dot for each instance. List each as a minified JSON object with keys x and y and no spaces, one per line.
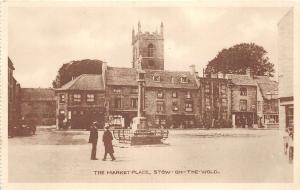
{"x":125,"y":135}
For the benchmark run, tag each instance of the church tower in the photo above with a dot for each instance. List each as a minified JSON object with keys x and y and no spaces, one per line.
{"x":148,"y":49}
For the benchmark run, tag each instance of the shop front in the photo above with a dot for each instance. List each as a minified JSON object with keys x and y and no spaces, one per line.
{"x":83,"y":117}
{"x":244,"y":119}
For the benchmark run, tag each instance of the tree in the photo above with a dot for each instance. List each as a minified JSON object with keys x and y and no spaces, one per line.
{"x":238,"y":58}
{"x":73,"y":69}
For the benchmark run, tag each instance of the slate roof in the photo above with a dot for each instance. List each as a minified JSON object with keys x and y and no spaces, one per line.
{"x":266,"y":85}
{"x":166,"y":80}
{"x":37,"y":94}
{"x":127,"y":77}
{"x":241,"y":80}
{"x":85,"y":82}
{"x":121,"y":76}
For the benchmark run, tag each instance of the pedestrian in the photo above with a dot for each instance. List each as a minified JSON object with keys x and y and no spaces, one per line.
{"x":107,"y":141}
{"x":93,"y":139}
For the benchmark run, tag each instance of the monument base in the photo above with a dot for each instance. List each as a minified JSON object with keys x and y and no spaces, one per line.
{"x":140,"y":134}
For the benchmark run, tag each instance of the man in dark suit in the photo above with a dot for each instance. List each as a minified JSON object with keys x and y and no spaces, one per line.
{"x":107,"y":141}
{"x":93,"y":139}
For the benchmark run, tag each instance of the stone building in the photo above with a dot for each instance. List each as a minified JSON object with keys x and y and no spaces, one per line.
{"x":171,"y":99}
{"x":38,"y":105}
{"x":267,"y":102}
{"x":215,"y":100}
{"x":243,"y":99}
{"x":13,"y":97}
{"x":286,"y":70}
{"x":80,"y":102}
{"x":121,"y":94}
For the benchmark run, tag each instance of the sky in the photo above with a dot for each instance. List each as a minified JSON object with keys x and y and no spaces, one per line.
{"x":41,"y":39}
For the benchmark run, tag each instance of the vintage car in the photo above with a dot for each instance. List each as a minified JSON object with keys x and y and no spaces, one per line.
{"x":23,"y":128}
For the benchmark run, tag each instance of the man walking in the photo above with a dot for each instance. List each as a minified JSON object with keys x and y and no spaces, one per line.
{"x":93,"y":139}
{"x":107,"y":141}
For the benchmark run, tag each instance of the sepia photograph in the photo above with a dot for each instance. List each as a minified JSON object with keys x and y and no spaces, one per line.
{"x":128,"y":94}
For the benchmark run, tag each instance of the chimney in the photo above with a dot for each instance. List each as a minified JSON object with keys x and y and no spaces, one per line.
{"x":193,"y":69}
{"x":249,"y":72}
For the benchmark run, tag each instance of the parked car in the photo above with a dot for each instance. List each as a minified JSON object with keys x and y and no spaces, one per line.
{"x":23,"y":128}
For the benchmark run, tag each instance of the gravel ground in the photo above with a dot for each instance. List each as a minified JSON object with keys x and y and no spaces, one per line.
{"x":224,"y":155}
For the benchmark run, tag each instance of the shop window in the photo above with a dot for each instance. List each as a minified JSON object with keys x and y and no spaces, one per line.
{"x":243,"y":91}
{"x":160,"y":94}
{"x":243,"y":105}
{"x":188,"y":107}
{"x":77,"y":98}
{"x":271,"y":119}
{"x":90,"y":98}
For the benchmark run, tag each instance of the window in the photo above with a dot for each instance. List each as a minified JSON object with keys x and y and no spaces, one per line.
{"x":117,"y":90}
{"x":77,"y":98}
{"x":258,"y":106}
{"x":174,"y":94}
{"x":156,"y":78}
{"x":175,"y":106}
{"x":243,"y":105}
{"x":184,"y":79}
{"x":160,"y":106}
{"x":271,"y":119}
{"x":243,"y":91}
{"x":160,"y":94}
{"x":61,"y":98}
{"x":207,"y":103}
{"x":134,"y":90}
{"x":207,"y":88}
{"x":224,"y":102}
{"x":118,"y":103}
{"x":90,"y":98}
{"x":188,"y":107}
{"x":188,"y":95}
{"x":134,"y":102}
{"x":223,"y":89}
{"x":224,"y":115}
{"x":150,"y":50}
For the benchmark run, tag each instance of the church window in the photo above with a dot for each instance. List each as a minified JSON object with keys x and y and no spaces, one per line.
{"x":150,"y":50}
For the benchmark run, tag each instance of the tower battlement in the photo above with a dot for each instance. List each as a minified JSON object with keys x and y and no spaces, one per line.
{"x":148,"y":49}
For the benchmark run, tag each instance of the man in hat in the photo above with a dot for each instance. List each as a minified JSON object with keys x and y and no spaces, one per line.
{"x":93,"y":139}
{"x":107,"y":141}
